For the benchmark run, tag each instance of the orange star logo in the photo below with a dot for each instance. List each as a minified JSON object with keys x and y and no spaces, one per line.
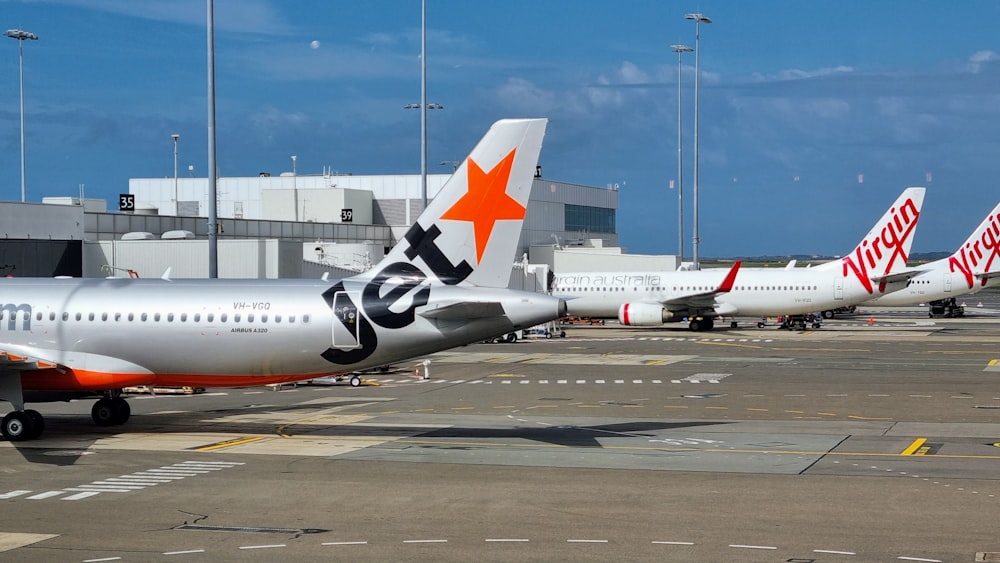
{"x":486,"y":202}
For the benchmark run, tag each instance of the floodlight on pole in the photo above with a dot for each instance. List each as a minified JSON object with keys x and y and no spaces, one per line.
{"x":698,"y":20}
{"x":680,"y":50}
{"x":21,"y":35}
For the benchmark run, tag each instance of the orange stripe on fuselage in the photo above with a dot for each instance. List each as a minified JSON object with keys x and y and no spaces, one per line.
{"x":84,"y":380}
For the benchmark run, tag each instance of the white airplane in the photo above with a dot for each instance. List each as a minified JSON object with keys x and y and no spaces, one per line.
{"x":966,"y":271}
{"x":443,"y":285}
{"x":875,"y":267}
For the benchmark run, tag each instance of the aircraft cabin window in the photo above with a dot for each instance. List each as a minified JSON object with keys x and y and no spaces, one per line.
{"x":197,"y":317}
{"x":250,"y":318}
{"x":236,"y":317}
{"x":184,"y":317}
{"x":131,"y":317}
{"x":223,"y":317}
{"x":156,"y":317}
{"x":211,"y":317}
{"x":170,"y":317}
{"x":52,"y":316}
{"x":144,"y":317}
{"x":305,"y":318}
{"x":90,"y":317}
{"x":263,"y":318}
{"x":291,"y":318}
{"x":277,"y":318}
{"x":104,"y":317}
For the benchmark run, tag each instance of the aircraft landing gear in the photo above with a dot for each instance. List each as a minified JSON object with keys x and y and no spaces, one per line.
{"x":698,"y":324}
{"x":110,"y":411}
{"x":19,"y":426}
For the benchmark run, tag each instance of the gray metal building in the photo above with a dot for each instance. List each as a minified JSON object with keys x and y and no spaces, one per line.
{"x":68,"y":236}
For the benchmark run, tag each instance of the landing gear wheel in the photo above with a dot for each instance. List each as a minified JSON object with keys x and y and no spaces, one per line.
{"x":512,"y":337}
{"x":18,"y":427}
{"x":355,"y":381}
{"x":110,"y":412}
{"x":103,"y":412}
{"x":827,"y":314}
{"x":124,"y":411}
{"x":37,"y":421}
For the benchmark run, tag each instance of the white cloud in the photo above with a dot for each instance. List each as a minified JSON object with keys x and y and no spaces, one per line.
{"x":979,"y":58}
{"x":799,"y":74}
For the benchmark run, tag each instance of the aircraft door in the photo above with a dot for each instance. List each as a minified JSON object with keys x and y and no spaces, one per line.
{"x":838,"y":287}
{"x":345,"y":320}
{"x":947,"y":282}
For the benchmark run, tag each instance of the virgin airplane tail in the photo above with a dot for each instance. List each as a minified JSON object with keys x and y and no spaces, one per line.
{"x":470,"y":235}
{"x":978,"y":259}
{"x":881,"y":255}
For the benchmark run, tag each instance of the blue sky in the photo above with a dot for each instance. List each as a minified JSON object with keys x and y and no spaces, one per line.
{"x":797,"y":100}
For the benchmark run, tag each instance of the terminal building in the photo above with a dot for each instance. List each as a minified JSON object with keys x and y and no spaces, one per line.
{"x":285,"y":226}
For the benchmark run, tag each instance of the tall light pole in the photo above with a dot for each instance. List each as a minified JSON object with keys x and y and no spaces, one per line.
{"x":21,"y":35}
{"x":175,"y":137}
{"x":680,"y":50}
{"x":213,"y":186}
{"x":423,"y":106}
{"x":698,"y":20}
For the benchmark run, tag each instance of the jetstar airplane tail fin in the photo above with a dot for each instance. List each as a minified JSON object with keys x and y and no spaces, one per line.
{"x":886,"y":247}
{"x":978,"y":258}
{"x":469,"y":233}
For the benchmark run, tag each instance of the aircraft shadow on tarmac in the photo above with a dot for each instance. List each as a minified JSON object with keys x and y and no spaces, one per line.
{"x":567,"y":435}
{"x":576,"y":436}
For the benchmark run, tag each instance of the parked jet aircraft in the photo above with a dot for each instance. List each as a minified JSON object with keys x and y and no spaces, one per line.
{"x":443,"y":285}
{"x":967,"y":270}
{"x":875,"y":267}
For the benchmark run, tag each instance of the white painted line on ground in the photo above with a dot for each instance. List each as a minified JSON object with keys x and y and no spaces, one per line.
{"x":79,"y":496}
{"x":673,"y":542}
{"x":345,"y":543}
{"x":586,"y":541}
{"x":272,"y":546}
{"x":742,"y":546}
{"x":834,"y":552}
{"x":13,"y":494}
{"x":507,"y":539}
{"x":45,"y":495}
{"x":425,"y":541}
{"x":185,"y":552}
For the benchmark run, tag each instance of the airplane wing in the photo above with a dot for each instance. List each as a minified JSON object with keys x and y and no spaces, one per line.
{"x":17,"y":362}
{"x":705,"y":299}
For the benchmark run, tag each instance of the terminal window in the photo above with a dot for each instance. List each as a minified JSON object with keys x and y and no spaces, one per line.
{"x":590,"y":219}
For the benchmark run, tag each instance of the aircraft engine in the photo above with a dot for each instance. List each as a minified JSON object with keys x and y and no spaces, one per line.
{"x":643,"y":314}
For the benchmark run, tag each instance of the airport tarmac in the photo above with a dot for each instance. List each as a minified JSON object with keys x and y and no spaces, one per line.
{"x":873,"y":438}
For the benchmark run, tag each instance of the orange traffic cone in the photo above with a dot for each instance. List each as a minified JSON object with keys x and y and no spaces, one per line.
{"x":871,"y":321}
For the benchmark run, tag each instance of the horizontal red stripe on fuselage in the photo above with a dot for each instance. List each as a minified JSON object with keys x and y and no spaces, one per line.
{"x":83,"y":380}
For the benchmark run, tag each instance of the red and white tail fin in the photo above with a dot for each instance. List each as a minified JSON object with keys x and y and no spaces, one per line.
{"x":885,"y":249}
{"x":978,"y":259}
{"x":469,"y":233}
